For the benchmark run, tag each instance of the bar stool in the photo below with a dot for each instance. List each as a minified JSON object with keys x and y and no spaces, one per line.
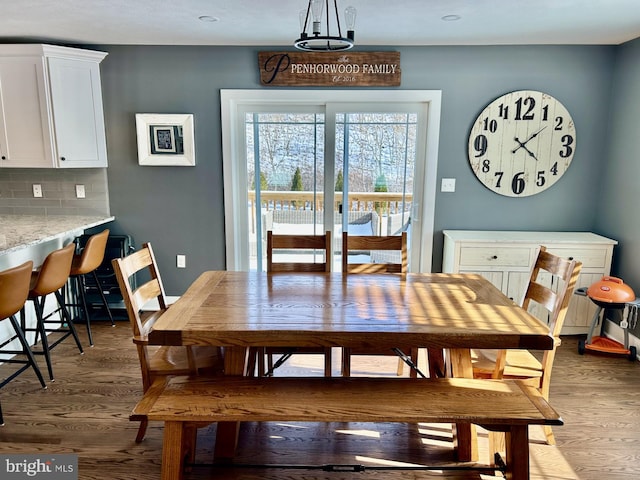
{"x":14,"y":289}
{"x":84,"y":264}
{"x":51,"y":278}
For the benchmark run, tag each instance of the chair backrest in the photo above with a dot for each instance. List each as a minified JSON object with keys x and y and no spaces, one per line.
{"x":14,"y":289}
{"x":92,"y":254}
{"x":141,"y":265}
{"x":369,"y":243}
{"x":553,"y":297}
{"x":54,"y":271}
{"x":308,"y":243}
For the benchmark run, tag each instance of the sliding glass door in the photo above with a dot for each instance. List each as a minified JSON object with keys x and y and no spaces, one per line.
{"x":299,"y":166}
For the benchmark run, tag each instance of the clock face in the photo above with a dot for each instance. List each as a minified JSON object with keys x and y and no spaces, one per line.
{"x":522,"y":143}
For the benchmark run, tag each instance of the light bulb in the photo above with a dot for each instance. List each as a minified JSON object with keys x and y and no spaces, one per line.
{"x":317,"y":6}
{"x":350,"y":20}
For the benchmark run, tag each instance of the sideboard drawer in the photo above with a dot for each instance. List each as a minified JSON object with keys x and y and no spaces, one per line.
{"x":498,"y":256}
{"x":590,"y":257}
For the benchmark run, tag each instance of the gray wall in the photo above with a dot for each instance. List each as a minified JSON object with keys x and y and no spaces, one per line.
{"x":180,"y":209}
{"x":617,"y":204}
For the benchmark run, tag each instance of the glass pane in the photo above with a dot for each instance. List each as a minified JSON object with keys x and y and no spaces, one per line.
{"x":285,"y":151}
{"x":375,"y":160}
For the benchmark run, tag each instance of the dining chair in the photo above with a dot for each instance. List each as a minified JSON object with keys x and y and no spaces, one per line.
{"x":366,"y":247}
{"x":14,"y":290}
{"x":145,"y":304}
{"x":85,"y":263}
{"x":550,"y":287}
{"x":51,"y":278}
{"x":293,"y":245}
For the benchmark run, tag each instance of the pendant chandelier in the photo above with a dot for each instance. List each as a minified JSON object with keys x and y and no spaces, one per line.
{"x":317,"y":42}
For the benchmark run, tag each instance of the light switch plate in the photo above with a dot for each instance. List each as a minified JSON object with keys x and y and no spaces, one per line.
{"x":181,"y":261}
{"x":80,"y":192}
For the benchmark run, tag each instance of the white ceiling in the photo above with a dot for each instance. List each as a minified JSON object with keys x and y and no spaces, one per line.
{"x":275,"y":22}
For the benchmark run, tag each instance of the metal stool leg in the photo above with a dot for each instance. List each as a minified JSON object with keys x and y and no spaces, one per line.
{"x":83,"y":302}
{"x":41,"y":331}
{"x":27,"y":350}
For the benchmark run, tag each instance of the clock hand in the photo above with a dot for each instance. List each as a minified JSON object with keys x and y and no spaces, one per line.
{"x":533,"y":136}
{"x":523,"y":145}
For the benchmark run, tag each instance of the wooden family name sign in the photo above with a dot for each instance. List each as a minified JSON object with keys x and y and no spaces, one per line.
{"x":340,"y":69}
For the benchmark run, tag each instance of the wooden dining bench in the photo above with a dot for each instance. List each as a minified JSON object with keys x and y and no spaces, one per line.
{"x":497,"y":405}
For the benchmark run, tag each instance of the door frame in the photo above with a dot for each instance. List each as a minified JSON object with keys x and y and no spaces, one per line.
{"x":236,"y":226}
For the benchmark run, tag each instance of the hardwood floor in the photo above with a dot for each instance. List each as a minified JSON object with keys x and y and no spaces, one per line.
{"x":85,"y":411}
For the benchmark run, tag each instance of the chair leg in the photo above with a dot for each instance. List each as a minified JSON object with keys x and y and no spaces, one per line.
{"x":85,"y":309}
{"x":38,"y":307}
{"x":1,"y":417}
{"x":346,"y":362}
{"x":67,"y":318}
{"x":142,"y":430}
{"x":27,"y":350}
{"x":327,"y":362}
{"x":548,"y":433}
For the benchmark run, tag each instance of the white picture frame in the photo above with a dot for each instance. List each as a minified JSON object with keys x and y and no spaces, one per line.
{"x":165,"y":139}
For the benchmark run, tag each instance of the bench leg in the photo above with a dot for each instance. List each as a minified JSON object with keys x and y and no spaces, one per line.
{"x":235,"y":363}
{"x":465,"y":438}
{"x":173,"y":451}
{"x":517,"y":447}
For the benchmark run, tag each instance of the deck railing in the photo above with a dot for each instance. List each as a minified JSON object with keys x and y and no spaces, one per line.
{"x":381,"y":202}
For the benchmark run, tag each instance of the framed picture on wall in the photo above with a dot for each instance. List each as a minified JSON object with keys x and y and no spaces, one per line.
{"x":165,"y":139}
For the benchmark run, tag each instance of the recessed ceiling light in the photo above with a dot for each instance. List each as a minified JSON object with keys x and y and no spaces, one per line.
{"x":208,"y":18}
{"x":451,"y":18}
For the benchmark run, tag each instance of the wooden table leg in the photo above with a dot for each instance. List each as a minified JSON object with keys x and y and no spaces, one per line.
{"x":172,"y":451}
{"x":464,"y":435}
{"x":517,"y":446}
{"x":235,"y":362}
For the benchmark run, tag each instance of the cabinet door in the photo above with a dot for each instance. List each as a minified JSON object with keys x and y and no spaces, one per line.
{"x":25,"y":136}
{"x":77,"y":112}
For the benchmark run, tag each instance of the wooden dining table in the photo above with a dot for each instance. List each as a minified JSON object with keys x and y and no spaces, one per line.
{"x":451,"y":312}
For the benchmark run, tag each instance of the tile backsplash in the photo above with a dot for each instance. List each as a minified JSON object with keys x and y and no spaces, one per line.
{"x":58,"y":191}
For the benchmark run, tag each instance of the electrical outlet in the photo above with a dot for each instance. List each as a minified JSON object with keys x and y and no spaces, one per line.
{"x":37,"y":190}
{"x":181,"y":261}
{"x":80,"y":192}
{"x":448,"y":185}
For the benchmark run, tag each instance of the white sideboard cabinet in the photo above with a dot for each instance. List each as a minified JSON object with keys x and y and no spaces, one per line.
{"x":51,"y":112}
{"x":506,"y":259}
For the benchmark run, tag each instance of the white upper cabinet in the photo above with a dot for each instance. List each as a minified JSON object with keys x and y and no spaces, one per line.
{"x":51,"y":113}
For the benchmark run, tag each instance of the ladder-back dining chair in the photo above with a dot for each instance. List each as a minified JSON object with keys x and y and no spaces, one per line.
{"x":319,"y":248}
{"x":156,"y":361}
{"x":365,"y":247}
{"x":551,"y":285}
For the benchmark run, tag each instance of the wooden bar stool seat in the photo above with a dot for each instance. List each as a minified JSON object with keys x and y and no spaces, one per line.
{"x":86,"y":263}
{"x":51,"y":278}
{"x":14,"y":288}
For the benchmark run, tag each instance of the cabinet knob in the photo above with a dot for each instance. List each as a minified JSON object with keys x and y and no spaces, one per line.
{"x":571,"y":258}
{"x":3,"y":157}
{"x":495,"y":257}
{"x":63,"y":158}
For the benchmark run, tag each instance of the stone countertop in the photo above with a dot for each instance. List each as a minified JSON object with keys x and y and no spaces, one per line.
{"x":21,"y":231}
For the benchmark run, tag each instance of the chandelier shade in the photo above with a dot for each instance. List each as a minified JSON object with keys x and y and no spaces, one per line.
{"x":313,"y":17}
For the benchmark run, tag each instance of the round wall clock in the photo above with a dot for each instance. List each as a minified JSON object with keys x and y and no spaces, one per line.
{"x":522,"y":143}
